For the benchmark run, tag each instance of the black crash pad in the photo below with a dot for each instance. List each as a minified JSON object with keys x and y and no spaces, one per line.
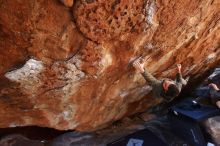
{"x":140,"y":138}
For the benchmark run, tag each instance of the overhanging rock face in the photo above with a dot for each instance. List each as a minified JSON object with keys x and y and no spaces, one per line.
{"x":69,"y":67}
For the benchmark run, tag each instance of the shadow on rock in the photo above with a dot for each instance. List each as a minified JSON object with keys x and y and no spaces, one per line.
{"x":18,"y":140}
{"x":72,"y":139}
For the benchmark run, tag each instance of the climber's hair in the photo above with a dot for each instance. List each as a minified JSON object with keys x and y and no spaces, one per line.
{"x":172,"y":91}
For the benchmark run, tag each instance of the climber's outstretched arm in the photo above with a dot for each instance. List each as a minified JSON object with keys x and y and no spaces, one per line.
{"x":179,"y":77}
{"x":147,"y":76}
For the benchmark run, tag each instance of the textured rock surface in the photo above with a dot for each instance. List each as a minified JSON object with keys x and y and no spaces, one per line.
{"x":69,"y":68}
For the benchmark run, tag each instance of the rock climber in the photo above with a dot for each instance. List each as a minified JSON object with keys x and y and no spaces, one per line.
{"x":210,"y":94}
{"x":166,"y":88}
{"x":214,"y":94}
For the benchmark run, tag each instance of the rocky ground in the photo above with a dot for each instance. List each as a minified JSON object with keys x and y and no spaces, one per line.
{"x":67,"y":64}
{"x":102,"y":137}
{"x":159,"y":126}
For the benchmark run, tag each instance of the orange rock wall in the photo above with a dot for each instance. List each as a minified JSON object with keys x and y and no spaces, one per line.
{"x":69,"y":67}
